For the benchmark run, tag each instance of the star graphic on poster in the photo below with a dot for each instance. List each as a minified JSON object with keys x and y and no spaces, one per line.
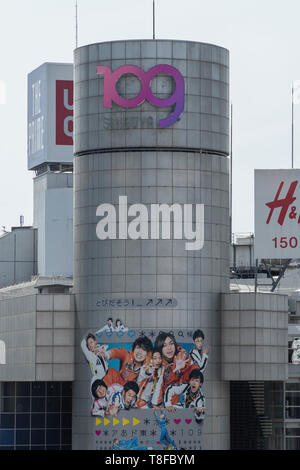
{"x":105,"y":433}
{"x":142,"y":333}
{"x":153,"y":433}
{"x":152,"y":334}
{"x":146,"y":421}
{"x":173,"y":432}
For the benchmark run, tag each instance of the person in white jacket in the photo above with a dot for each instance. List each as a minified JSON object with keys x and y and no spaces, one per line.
{"x":199,"y":354}
{"x":123,"y":398}
{"x":108,"y":327}
{"x":94,"y":355}
{"x":120,"y":327}
{"x":187,"y":395}
{"x":101,"y":397}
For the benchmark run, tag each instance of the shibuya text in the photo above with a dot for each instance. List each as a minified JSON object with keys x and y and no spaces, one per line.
{"x":157,"y":221}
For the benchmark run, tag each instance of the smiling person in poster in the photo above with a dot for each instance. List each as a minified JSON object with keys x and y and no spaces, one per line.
{"x":94,"y":354}
{"x":120,"y":327}
{"x":124,"y":398}
{"x":150,"y":382}
{"x":199,"y":354}
{"x":131,"y":362}
{"x":176,"y":361}
{"x":188,"y":395}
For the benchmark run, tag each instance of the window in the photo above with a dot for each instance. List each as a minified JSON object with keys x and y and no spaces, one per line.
{"x":35,"y":415}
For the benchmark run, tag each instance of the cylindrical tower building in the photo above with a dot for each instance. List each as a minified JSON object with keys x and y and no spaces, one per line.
{"x":152,"y":127}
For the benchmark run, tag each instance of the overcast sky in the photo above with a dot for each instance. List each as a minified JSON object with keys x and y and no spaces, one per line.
{"x":263,"y":39}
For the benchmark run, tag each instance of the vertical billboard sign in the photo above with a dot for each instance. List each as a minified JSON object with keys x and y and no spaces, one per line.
{"x":50,"y":115}
{"x":64,"y":112}
{"x":36,"y":116}
{"x":277,"y":213}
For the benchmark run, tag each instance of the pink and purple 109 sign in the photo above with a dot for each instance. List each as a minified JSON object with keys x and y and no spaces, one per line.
{"x":111,"y":95}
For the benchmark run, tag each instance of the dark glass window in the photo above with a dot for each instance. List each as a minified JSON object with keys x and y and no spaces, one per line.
{"x":22,"y":405}
{"x":38,"y":420}
{"x":292,"y":443}
{"x":7,"y":421}
{"x":292,"y":387}
{"x":8,"y":389}
{"x":8,"y":405}
{"x":66,"y":436}
{"x":53,"y":389}
{"x":53,"y":420}
{"x":23,"y":421}
{"x":38,"y":404}
{"x":52,"y":437}
{"x":22,"y":437}
{"x":292,"y":399}
{"x":53,"y":405}
{"x":67,"y":389}
{"x":292,"y":413}
{"x":38,"y":389}
{"x":35,"y":415}
{"x":292,"y":431}
{"x":23,"y":389}
{"x":38,"y":436}
{"x":6,"y":437}
{"x":66,"y":404}
{"x":66,"y":420}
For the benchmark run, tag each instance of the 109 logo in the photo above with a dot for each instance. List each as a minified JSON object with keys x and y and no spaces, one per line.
{"x":111,"y":95}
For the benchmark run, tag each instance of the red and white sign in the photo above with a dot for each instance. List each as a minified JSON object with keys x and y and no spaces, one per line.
{"x":64,"y":112}
{"x":277,"y":214}
{"x":50,"y":115}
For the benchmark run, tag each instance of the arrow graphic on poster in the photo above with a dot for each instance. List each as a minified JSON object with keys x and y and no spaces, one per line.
{"x":135,"y":421}
{"x":98,"y":421}
{"x":106,"y":421}
{"x":125,"y":421}
{"x":115,"y":421}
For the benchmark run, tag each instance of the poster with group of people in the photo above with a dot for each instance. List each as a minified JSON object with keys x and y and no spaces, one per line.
{"x":150,"y":380}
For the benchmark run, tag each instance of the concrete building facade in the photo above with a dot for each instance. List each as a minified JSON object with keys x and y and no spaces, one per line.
{"x":122,"y":151}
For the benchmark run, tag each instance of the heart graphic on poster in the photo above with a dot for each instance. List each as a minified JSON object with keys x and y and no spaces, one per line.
{"x":131,"y":333}
{"x":177,"y":421}
{"x":109,"y":333}
{"x":188,"y":421}
{"x":157,"y":442}
{"x":98,"y":433}
{"x":120,"y":334}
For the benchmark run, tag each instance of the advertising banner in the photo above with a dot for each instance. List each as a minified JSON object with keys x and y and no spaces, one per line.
{"x":50,"y":115}
{"x":147,"y":387}
{"x":277,"y":213}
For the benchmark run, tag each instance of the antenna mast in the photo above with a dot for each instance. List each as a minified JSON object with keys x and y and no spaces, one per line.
{"x":293,"y":91}
{"x":76,"y":23}
{"x":153,"y":19}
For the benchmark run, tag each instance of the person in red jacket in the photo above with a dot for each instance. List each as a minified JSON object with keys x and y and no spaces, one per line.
{"x":131,"y":362}
{"x":176,"y":361}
